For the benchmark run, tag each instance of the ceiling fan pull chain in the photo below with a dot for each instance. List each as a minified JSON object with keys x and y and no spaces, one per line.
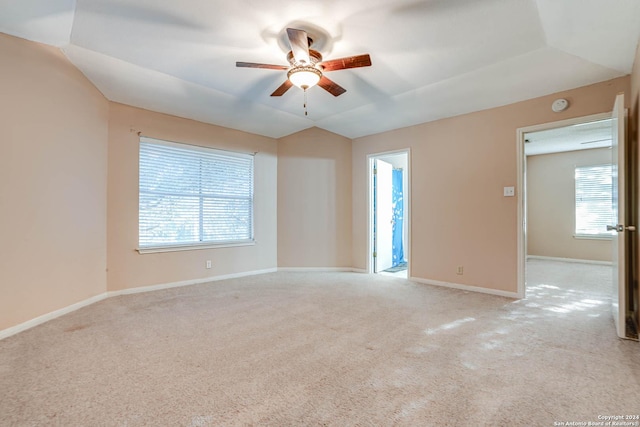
{"x":305,"y":102}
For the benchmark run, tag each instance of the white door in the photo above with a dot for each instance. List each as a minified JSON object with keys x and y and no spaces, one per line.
{"x":384,"y":216}
{"x":618,"y":203}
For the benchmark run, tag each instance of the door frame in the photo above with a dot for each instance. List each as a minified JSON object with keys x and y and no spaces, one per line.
{"x":521,"y":186}
{"x":407,"y":206}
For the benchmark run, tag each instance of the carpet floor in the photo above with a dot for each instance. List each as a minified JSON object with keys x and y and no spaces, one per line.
{"x":324,"y":349}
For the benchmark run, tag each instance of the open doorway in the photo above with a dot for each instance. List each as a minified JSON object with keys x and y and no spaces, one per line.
{"x":566,"y":195}
{"x":389,"y":213}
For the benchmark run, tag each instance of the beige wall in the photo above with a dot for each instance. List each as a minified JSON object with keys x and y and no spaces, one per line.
{"x":459,"y":168}
{"x":53,"y":183}
{"x":314,"y":200}
{"x":551,"y":206}
{"x":129,"y":269}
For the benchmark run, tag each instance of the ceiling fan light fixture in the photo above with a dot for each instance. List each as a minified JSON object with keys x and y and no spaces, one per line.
{"x":304,"y":77}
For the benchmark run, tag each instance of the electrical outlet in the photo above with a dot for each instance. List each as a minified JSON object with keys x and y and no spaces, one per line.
{"x":208,"y":263}
{"x":460,"y":270}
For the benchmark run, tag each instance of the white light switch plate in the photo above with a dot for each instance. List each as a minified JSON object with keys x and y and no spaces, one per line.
{"x":509,"y":191}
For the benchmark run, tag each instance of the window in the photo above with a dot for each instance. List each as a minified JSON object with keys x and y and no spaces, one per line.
{"x":193,"y":196}
{"x":593,"y":201}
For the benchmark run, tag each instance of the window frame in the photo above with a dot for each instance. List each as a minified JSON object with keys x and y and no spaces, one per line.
{"x":186,"y":246}
{"x":604,"y":235}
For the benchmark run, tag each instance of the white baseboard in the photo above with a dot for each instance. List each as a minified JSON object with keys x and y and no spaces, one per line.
{"x":50,"y":316}
{"x":152,"y":288}
{"x":321,"y":269}
{"x":314,"y":269}
{"x":466,"y":287}
{"x":5,"y":333}
{"x":581,"y":261}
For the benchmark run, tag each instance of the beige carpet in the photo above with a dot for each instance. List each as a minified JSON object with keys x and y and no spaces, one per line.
{"x":298,"y":349}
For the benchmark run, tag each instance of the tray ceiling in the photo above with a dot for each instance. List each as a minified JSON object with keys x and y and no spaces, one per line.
{"x":431,"y":59}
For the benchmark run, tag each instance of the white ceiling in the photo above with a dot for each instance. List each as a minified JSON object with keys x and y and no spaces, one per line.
{"x":431,"y":58}
{"x":581,"y":136}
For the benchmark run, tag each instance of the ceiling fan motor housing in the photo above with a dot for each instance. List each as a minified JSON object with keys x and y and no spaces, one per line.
{"x":314,"y":56}
{"x":303,"y":74}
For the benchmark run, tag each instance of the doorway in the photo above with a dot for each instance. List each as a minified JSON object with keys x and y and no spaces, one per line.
{"x":602,"y":194}
{"x":389,"y":213}
{"x":567,"y":195}
{"x":542,"y":146}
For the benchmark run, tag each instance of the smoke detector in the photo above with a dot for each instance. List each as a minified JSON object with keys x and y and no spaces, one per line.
{"x":559,"y":105}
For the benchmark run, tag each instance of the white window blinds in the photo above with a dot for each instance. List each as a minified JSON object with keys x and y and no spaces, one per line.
{"x":593,"y":200}
{"x":193,"y":195}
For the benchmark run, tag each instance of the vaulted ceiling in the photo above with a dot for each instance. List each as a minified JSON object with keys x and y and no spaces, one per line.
{"x":431,"y":58}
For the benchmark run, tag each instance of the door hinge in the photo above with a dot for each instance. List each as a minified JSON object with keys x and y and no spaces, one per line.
{"x":375,"y":254}
{"x":375,"y":171}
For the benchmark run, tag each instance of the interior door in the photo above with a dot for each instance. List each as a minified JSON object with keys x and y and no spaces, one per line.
{"x":620,"y":293}
{"x":384,"y":216}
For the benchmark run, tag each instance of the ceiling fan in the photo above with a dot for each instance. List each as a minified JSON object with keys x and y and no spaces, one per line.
{"x":307,"y":68}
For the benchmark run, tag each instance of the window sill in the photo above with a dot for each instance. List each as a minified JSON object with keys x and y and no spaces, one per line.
{"x":592,"y":237}
{"x":193,"y":247}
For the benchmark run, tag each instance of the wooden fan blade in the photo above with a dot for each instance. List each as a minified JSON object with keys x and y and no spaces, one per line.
{"x":283,"y":88}
{"x":299,"y":42}
{"x":349,"y":62}
{"x":257,"y":65}
{"x":330,"y":86}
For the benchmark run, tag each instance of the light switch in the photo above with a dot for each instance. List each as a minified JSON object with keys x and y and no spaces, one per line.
{"x":509,"y":191}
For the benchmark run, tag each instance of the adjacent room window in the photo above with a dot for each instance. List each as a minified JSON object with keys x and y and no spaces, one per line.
{"x":593,"y":201}
{"x":194,"y":195}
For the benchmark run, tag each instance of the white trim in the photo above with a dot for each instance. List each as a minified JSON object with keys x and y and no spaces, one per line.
{"x":521,"y":184}
{"x":581,"y":261}
{"x":152,"y":288}
{"x":408,"y":207}
{"x":314,"y":269}
{"x":593,"y":236}
{"x":369,"y":171}
{"x":566,"y":122}
{"x":192,"y":247}
{"x":5,"y":333}
{"x":466,"y":287}
{"x":521,"y":238}
{"x":359,"y":270}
